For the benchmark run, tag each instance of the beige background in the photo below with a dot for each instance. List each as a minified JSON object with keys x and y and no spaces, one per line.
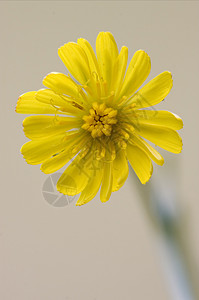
{"x":99,"y":251}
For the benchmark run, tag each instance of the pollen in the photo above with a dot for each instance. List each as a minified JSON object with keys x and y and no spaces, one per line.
{"x":100,"y":120}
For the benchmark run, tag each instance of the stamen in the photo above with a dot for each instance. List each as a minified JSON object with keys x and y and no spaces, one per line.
{"x":81,"y":92}
{"x":129,"y":127}
{"x":92,"y":112}
{"x":103,"y":152}
{"x":110,"y":98}
{"x":124,"y":134}
{"x":122,"y":144}
{"x":98,"y":88}
{"x":112,"y":150}
{"x":97,"y":84}
{"x":104,"y":87}
{"x":88,"y":90}
{"x":100,"y":120}
{"x":101,"y":109}
{"x":129,"y":109}
{"x":85,"y":151}
{"x":100,"y":151}
{"x":122,"y":100}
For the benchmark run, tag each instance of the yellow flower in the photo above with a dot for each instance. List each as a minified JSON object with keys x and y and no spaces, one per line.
{"x":98,"y":119}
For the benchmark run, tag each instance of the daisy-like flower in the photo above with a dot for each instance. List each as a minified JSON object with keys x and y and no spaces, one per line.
{"x":97,"y":121}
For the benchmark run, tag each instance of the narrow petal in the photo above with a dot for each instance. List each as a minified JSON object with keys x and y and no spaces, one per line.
{"x":27,"y":104}
{"x":107,"y":53}
{"x":163,"y":137}
{"x":140,"y":162}
{"x":75,"y":178}
{"x":93,"y":185}
{"x":37,"y":127}
{"x":94,"y":67}
{"x":74,"y":144}
{"x":119,"y":70}
{"x":154,"y":92}
{"x":76,"y":61}
{"x":107,"y":182}
{"x":56,"y":162}
{"x":61,"y":84}
{"x":120,"y":170}
{"x":35,"y":152}
{"x":137,"y":72}
{"x":62,"y":103}
{"x":152,"y":153}
{"x":161,"y":117}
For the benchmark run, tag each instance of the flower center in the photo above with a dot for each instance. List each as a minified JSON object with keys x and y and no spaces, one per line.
{"x":100,"y":120}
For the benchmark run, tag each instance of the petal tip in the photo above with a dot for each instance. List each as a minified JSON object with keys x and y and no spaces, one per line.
{"x":79,"y":203}
{"x":147,"y":180}
{"x":162,"y":162}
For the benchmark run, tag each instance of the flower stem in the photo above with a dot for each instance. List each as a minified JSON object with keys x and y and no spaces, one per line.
{"x":159,"y":203}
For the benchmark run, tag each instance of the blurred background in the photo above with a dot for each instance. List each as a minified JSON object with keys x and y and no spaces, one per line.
{"x":144,"y":242}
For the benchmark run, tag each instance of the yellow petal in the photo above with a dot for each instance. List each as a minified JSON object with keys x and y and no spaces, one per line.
{"x":120,"y":170}
{"x":76,"y":61}
{"x":27,"y":104}
{"x":161,"y":117}
{"x":152,"y":153}
{"x":35,"y":152}
{"x":119,"y":70}
{"x":94,"y":67}
{"x":93,"y":185}
{"x":60,"y":102}
{"x":56,"y":162}
{"x":37,"y":127}
{"x":154,"y":91}
{"x":140,"y":162}
{"x":107,"y":53}
{"x":74,"y":144}
{"x":107,"y":182}
{"x":137,"y":72}
{"x":163,"y":137}
{"x":61,"y":84}
{"x":75,"y":177}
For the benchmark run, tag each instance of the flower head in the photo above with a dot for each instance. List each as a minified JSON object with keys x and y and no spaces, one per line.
{"x":98,"y":119}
